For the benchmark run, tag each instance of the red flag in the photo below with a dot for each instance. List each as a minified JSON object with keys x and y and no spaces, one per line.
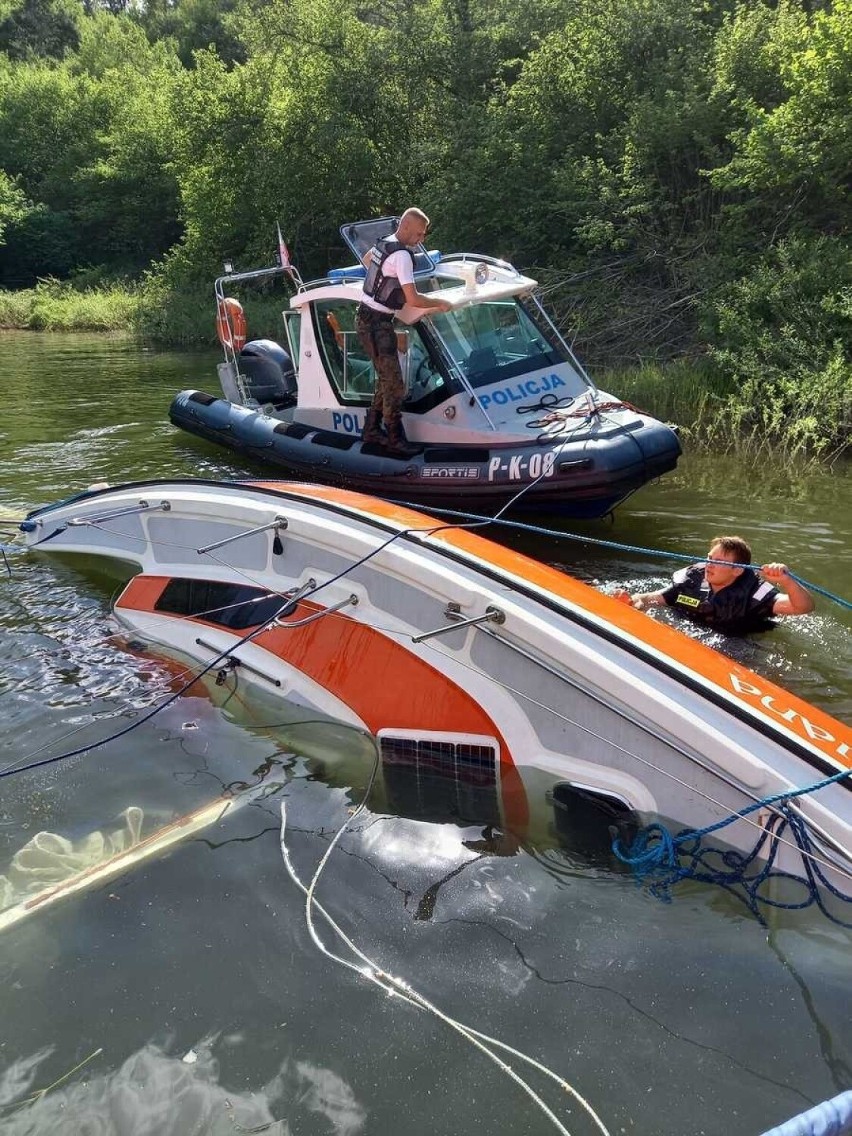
{"x":283,"y":251}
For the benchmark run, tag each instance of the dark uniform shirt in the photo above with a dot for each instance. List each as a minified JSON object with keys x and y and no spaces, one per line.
{"x":743,"y":606}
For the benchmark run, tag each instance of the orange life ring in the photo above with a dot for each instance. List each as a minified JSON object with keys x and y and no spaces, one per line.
{"x":231,"y":323}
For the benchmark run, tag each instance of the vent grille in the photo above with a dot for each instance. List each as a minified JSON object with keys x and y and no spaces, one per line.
{"x":440,"y":779}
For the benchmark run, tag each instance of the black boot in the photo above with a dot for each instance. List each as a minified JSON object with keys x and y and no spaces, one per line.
{"x":397,"y":444}
{"x":372,"y":433}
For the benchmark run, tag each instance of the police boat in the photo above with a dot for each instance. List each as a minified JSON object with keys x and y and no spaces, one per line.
{"x":498,"y":408}
{"x":505,"y":677}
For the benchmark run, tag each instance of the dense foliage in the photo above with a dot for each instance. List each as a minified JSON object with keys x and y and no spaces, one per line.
{"x":676,"y":172}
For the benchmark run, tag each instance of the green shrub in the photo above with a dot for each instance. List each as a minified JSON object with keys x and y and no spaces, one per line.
{"x":15,"y":308}
{"x":188,"y":318}
{"x":58,"y":306}
{"x":784,"y":340}
{"x":689,"y":393}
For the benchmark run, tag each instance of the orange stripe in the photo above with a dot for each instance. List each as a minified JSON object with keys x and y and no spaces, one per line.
{"x":386,"y":685}
{"x":142,"y":593}
{"x":771,"y":702}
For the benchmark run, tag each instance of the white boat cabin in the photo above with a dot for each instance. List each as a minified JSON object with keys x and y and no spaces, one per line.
{"x":493,"y":364}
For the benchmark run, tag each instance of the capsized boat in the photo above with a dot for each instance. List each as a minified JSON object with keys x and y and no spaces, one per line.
{"x":465,"y":658}
{"x":497,"y":402}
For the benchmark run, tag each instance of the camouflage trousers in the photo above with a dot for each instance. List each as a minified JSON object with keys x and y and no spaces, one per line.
{"x":377,"y":336}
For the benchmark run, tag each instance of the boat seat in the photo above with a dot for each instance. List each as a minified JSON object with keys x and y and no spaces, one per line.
{"x":481,"y":359}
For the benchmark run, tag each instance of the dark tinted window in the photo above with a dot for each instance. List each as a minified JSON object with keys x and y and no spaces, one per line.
{"x":231,"y":605}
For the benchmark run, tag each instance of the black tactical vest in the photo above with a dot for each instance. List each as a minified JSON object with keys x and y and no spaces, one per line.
{"x":744,"y":606}
{"x":385,"y":290}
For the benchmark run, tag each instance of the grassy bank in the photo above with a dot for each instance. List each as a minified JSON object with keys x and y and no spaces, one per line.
{"x":769,"y":416}
{"x":185,"y":320}
{"x":56,"y":306}
{"x":188,"y":319}
{"x":693,"y":394}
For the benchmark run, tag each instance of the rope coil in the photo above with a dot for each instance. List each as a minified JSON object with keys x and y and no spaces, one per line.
{"x":660,"y":860}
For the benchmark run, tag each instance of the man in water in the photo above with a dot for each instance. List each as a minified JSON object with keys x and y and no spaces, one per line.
{"x":726,"y":597}
{"x":389,"y":286}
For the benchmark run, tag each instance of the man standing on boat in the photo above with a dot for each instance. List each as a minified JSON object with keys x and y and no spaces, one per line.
{"x":726,"y":597}
{"x":389,"y":286}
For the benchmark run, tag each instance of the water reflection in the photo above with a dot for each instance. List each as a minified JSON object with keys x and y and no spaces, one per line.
{"x":154,"y":1093}
{"x":204,"y":951}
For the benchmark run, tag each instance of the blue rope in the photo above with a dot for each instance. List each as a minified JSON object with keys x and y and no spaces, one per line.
{"x":660,"y":860}
{"x":623,"y":547}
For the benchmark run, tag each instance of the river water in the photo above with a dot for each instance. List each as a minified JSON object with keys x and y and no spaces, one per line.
{"x":187,"y":995}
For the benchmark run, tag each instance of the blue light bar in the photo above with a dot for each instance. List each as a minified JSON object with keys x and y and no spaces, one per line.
{"x":358,"y":271}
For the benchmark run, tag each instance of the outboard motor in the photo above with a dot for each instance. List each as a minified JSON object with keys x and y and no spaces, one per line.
{"x":268,"y":374}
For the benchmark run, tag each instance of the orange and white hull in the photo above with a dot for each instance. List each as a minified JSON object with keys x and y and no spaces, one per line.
{"x":554,"y":689}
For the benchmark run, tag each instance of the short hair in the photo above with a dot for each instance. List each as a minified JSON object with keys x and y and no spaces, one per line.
{"x":413,"y":213}
{"x":734,"y":546}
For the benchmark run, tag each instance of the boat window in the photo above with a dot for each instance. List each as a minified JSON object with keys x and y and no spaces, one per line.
{"x":585,"y":817}
{"x":497,"y":340}
{"x":230,"y":605}
{"x":346,"y":362}
{"x":351,"y":371}
{"x":293,"y":328}
{"x":425,"y":383}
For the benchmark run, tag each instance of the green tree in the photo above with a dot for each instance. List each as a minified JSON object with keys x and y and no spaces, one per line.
{"x":13,"y":203}
{"x":89,"y":141}
{"x":126,"y":195}
{"x":46,"y":29}
{"x":790,"y":79}
{"x":194,"y":25}
{"x":590,"y":162}
{"x":779,"y":319}
{"x":784,"y":334}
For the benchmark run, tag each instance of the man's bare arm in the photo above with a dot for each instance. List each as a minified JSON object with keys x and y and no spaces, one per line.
{"x":794,"y":600}
{"x":418,"y":300}
{"x":641,"y":600}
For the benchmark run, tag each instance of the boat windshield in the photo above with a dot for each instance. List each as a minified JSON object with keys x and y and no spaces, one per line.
{"x":492,"y":341}
{"x":476,"y":346}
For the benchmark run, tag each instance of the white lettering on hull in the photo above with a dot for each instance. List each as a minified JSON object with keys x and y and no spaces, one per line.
{"x":518,"y":467}
{"x":527,"y":388}
{"x":789,"y":714}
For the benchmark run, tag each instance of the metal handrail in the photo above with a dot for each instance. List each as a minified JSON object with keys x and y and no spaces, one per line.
{"x":277,"y":523}
{"x":455,"y":370}
{"x":581,"y":370}
{"x":479,"y":258}
{"x":231,"y":357}
{"x":140,"y":508}
{"x":350,"y":601}
{"x":492,"y":615}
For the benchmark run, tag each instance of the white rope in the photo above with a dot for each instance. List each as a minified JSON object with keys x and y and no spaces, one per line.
{"x":397,"y":986}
